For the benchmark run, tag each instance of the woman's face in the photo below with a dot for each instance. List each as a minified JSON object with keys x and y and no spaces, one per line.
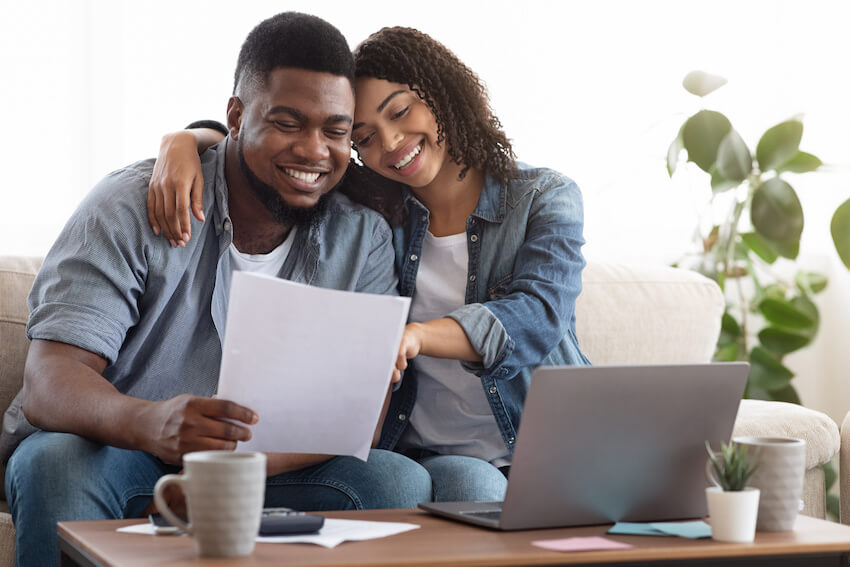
{"x":396,"y":133}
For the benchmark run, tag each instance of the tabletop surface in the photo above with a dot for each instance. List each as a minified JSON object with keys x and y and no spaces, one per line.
{"x":443,"y":542}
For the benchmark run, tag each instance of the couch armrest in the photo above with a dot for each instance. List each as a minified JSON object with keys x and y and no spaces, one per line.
{"x":844,"y":470}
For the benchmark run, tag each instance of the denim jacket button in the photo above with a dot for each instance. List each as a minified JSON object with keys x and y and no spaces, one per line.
{"x":511,"y":440}
{"x":401,"y":417}
{"x":227,"y":225}
{"x":472,"y":278}
{"x":474,"y":238}
{"x":413,"y":257}
{"x":493,"y":389}
{"x":424,"y":218}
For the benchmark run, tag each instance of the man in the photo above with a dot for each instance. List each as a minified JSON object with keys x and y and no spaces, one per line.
{"x":127,"y":331}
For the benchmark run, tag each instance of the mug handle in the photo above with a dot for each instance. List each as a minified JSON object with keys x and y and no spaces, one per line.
{"x":710,"y":474}
{"x":162,"y":505}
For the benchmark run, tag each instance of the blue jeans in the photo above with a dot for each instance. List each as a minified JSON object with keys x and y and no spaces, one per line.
{"x":464,"y":479}
{"x":55,"y":477}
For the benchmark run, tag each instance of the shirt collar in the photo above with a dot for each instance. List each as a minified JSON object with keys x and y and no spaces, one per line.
{"x":491,"y":203}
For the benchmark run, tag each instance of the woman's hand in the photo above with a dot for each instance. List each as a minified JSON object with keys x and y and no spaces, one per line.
{"x":410,"y":347}
{"x":176,"y":184}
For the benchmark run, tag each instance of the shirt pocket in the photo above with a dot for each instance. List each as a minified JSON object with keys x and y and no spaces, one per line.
{"x":499,"y":287}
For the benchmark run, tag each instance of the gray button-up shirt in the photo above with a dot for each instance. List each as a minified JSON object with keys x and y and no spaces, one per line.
{"x":157,"y":314}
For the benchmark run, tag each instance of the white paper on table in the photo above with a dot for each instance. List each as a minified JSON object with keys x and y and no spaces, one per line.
{"x":314,"y":363}
{"x":332,"y":533}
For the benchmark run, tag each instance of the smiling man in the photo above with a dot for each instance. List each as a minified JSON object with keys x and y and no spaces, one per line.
{"x":126,"y":331}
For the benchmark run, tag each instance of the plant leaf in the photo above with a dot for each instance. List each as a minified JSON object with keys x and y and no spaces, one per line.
{"x":701,"y":83}
{"x":734,"y":161}
{"x":766,"y":372}
{"x":727,"y":353}
{"x":810,"y":282}
{"x":676,"y":147}
{"x":760,"y":246}
{"x":785,"y":314}
{"x":840,"y":228}
{"x":779,"y":144}
{"x":787,"y":249}
{"x":786,"y":394}
{"x":720,"y":184}
{"x":776,"y":212}
{"x":805,"y":305}
{"x":702,"y":134}
{"x":780,"y":341}
{"x":801,"y":163}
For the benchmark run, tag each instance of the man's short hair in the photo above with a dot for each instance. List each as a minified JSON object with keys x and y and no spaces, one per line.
{"x":292,"y":39}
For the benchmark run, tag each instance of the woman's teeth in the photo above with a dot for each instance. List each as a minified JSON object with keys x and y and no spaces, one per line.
{"x":409,"y":157}
{"x":302,"y":175}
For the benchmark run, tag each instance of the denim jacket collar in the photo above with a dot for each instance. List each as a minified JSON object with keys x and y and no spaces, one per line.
{"x":491,"y":203}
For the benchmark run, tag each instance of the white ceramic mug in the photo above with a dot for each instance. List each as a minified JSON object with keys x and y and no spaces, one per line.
{"x":779,"y":477}
{"x":224,"y":494}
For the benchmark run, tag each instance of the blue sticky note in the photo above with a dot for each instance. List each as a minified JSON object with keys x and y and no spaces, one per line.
{"x":693,"y":530}
{"x":636,"y":528}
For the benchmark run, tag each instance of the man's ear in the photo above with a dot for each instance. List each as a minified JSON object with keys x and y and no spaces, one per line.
{"x":235,"y":109}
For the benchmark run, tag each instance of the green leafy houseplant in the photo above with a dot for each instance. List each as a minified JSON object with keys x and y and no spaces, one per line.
{"x":767,"y":315}
{"x":731,"y":465}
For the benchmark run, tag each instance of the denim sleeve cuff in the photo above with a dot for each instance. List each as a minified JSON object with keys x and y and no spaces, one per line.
{"x":487,"y":336}
{"x":78,"y":326}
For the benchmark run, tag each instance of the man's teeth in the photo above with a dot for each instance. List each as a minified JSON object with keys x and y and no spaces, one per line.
{"x":409,"y":157}
{"x":302,"y":175}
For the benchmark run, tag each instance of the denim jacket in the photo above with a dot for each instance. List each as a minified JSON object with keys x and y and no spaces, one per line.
{"x":524,"y":241}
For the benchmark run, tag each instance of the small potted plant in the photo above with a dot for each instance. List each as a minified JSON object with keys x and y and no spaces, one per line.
{"x":732,"y":505}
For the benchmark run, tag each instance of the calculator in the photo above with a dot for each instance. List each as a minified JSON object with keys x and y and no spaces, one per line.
{"x":286,"y":521}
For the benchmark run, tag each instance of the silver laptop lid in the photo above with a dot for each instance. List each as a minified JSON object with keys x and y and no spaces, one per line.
{"x":625,"y":443}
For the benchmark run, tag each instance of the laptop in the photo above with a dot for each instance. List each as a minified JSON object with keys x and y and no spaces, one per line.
{"x":602,"y":444}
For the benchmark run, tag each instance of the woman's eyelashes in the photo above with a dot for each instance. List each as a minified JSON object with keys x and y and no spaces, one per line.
{"x":400,"y":113}
{"x":364,"y":141}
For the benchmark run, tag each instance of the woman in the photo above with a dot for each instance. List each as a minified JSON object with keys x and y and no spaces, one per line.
{"x":488,"y":249}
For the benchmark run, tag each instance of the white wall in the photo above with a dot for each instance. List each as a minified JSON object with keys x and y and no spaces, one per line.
{"x":589,"y":88}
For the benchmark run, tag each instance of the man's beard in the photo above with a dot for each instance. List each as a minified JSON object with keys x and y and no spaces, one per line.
{"x":274,"y":203}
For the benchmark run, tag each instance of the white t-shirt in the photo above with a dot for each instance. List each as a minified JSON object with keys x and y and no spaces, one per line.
{"x":269,"y":263}
{"x":452,"y":415}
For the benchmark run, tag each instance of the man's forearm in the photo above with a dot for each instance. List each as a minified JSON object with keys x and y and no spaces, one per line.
{"x":64,"y":391}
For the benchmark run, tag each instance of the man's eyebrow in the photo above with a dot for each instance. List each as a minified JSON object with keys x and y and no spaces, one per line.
{"x":339,"y":118}
{"x":288,"y":110}
{"x":383,"y":105}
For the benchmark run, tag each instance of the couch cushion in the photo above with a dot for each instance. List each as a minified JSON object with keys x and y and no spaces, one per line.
{"x":16,"y":276}
{"x":647,"y":315}
{"x":759,"y":418}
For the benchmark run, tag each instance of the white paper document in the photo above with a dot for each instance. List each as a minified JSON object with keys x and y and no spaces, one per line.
{"x":314,"y":363}
{"x":333,"y":532}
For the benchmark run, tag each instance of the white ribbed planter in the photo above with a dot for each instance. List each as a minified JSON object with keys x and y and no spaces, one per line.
{"x":732,"y":514}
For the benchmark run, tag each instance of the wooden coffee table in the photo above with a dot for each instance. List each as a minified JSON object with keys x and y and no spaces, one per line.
{"x":442,"y":542}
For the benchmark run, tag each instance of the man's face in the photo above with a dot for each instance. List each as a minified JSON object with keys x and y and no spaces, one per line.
{"x":294,"y":133}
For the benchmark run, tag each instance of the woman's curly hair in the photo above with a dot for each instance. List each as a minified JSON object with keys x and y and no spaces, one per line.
{"x":455,"y":95}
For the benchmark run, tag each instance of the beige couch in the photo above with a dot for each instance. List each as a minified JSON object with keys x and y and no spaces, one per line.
{"x":625,"y":315}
